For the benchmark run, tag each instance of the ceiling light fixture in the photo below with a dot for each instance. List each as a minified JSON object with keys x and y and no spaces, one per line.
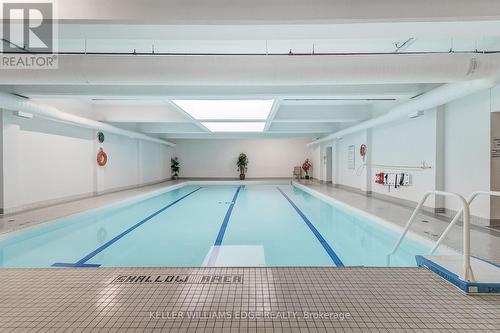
{"x":226,"y":109}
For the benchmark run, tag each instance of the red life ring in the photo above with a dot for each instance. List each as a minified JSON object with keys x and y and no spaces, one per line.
{"x":362,"y":150}
{"x":102,"y":158}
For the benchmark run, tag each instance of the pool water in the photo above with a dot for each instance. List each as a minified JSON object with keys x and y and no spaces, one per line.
{"x":216,"y":225}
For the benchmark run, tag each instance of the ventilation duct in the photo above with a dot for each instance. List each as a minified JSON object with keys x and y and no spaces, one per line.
{"x":16,"y":103}
{"x":227,"y":70}
{"x":436,"y":97}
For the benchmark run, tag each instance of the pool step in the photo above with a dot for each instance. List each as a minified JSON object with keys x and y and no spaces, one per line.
{"x":487,"y":274}
{"x":235,"y":256}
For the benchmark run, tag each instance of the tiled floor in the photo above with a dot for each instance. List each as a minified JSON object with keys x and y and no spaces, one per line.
{"x":261,"y":300}
{"x":11,"y":222}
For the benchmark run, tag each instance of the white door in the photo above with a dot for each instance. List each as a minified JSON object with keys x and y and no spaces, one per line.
{"x":329,"y":161}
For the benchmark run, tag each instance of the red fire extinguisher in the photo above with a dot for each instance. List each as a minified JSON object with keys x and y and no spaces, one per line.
{"x":380,"y":178}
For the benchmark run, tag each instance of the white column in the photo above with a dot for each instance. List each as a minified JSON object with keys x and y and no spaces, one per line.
{"x":2,"y":205}
{"x":368,"y":162}
{"x":439,"y":201}
{"x":12,"y":189}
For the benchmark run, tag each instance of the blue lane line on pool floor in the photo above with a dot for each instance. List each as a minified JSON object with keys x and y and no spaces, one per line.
{"x":315,"y":231}
{"x":223,"y":227}
{"x":81,"y":262}
{"x":218,"y":241}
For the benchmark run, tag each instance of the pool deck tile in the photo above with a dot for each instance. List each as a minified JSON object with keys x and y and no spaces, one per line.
{"x":265,"y":300}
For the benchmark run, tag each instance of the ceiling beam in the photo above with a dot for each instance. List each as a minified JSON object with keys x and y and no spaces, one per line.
{"x":299,"y":127}
{"x":322,"y":113}
{"x":17,"y":103}
{"x":205,"y":136}
{"x":191,"y":129}
{"x":185,"y":114}
{"x":173,"y":36}
{"x":137,"y":113}
{"x":161,"y":128}
{"x":272,"y":11}
{"x":331,"y":101}
{"x":324,"y":120}
{"x":162,"y":92}
{"x":272,"y":114}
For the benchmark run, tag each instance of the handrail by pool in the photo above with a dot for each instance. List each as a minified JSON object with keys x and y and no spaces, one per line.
{"x":457,"y":216}
{"x":467,"y":274}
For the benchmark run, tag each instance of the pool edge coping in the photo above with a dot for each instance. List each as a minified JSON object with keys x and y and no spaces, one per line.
{"x":135,"y":199}
{"x":370,"y":217}
{"x":154,"y":193}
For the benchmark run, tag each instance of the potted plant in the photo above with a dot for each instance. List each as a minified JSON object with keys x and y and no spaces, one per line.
{"x":306,"y":166}
{"x":242,"y":164}
{"x":175,"y":167}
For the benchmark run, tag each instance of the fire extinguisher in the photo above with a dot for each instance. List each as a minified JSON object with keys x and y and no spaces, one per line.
{"x":380,"y":178}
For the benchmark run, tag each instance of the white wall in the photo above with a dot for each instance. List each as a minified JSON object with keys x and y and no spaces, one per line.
{"x":122,"y":169}
{"x":495,"y":169}
{"x":217,"y":158}
{"x":44,"y":160}
{"x":154,"y":162}
{"x":456,"y":144}
{"x":315,"y":152}
{"x":409,"y":143}
{"x":47,"y":161}
{"x":356,"y":177}
{"x":467,"y":148}
{"x":405,"y":143}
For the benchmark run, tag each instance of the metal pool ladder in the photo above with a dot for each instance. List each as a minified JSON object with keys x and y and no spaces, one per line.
{"x":457,"y":216}
{"x":467,"y":274}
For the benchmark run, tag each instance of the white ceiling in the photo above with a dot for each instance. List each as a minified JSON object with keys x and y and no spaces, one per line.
{"x":274,"y":11}
{"x":294,"y":117}
{"x":315,"y":94}
{"x":277,"y":26}
{"x":283,"y":46}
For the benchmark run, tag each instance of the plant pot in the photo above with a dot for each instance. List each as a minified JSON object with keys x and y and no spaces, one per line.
{"x":307,"y":177}
{"x":242,"y":176}
{"x":175,"y":177}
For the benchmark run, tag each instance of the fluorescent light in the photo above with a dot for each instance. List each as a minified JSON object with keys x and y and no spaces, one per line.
{"x":235,"y":126}
{"x":226,"y":109}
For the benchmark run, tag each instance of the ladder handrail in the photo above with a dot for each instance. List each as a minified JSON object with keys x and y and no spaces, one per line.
{"x":467,"y":274}
{"x":457,"y":216}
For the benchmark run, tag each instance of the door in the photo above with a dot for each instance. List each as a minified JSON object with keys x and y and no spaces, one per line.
{"x":329,"y":161}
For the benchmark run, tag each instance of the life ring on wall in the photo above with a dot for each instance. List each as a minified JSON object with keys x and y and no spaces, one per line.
{"x":102,"y":158}
{"x":362,"y":150}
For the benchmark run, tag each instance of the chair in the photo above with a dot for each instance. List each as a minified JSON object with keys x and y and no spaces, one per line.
{"x":297,"y":172}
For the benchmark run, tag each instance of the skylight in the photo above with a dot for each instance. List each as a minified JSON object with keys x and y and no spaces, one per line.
{"x":226,"y":109}
{"x":235,"y":126}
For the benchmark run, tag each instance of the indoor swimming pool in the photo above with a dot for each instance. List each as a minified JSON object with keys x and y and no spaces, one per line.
{"x":212,"y":225}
